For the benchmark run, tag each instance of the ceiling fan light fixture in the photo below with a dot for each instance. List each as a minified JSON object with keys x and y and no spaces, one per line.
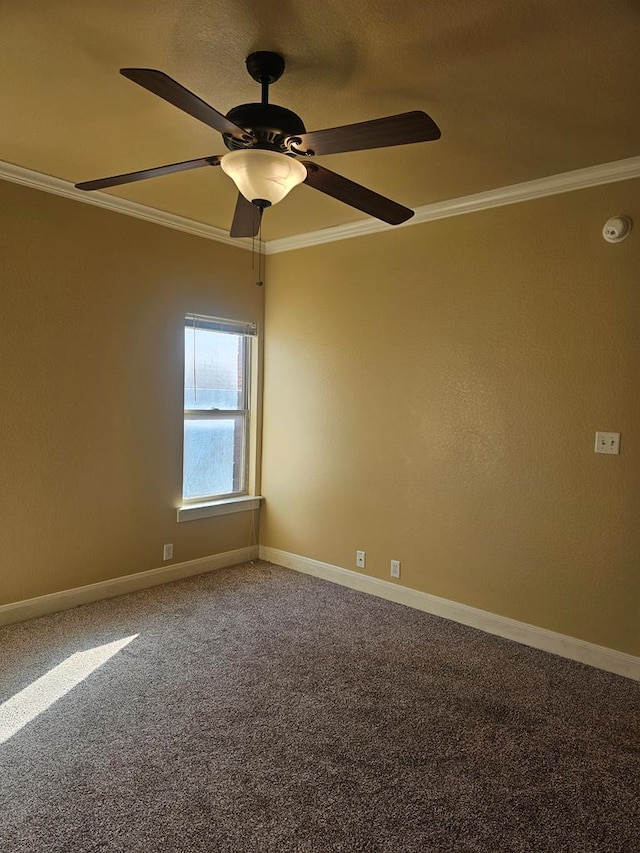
{"x":263,"y":176}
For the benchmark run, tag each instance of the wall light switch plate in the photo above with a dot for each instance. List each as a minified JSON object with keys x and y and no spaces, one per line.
{"x":607,"y":442}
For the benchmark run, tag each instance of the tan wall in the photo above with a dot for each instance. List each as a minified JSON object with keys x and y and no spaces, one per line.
{"x":93,"y":306}
{"x":432,"y":393}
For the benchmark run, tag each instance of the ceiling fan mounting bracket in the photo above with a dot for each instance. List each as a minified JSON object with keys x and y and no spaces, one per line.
{"x":265,"y":66}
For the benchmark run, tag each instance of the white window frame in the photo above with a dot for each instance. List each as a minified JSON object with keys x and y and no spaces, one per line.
{"x":242,"y":500}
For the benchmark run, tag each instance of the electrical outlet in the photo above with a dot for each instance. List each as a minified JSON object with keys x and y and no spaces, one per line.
{"x":607,"y":442}
{"x":167,"y":552}
{"x":395,"y":568}
{"x":361,"y":559}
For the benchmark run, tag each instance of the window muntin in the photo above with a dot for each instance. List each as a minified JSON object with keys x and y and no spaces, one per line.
{"x":216,"y":408}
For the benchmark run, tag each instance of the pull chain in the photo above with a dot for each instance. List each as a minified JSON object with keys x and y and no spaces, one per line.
{"x":261,"y":254}
{"x":253,"y":248}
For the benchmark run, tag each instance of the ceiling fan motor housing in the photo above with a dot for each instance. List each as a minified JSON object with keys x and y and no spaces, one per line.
{"x":269,"y":124}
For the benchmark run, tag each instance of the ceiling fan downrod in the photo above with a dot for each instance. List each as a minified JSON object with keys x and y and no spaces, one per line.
{"x":265,"y":67}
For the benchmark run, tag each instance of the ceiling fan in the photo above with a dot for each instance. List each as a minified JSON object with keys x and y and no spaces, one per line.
{"x":265,"y":142}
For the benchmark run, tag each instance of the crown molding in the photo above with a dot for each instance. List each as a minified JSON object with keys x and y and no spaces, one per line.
{"x":58,"y":186}
{"x":592,"y":176}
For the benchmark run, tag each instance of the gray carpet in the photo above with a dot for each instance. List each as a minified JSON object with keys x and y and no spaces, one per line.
{"x":262,"y":710}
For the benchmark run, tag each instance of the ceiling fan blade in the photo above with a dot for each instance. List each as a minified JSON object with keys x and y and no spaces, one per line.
{"x":130,"y":177}
{"x":400,"y":129}
{"x":170,"y":90}
{"x":246,"y":219}
{"x":356,"y":195}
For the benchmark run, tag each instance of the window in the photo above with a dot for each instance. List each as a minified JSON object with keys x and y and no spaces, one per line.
{"x":217,"y":358}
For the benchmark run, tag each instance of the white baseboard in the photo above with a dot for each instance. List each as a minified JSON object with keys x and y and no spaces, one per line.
{"x":30,"y":608}
{"x":572,"y":648}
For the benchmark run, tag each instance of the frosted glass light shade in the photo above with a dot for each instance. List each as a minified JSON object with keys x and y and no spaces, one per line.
{"x":263,"y":175}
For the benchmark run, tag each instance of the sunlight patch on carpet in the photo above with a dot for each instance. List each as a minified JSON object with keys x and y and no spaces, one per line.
{"x":16,"y":712}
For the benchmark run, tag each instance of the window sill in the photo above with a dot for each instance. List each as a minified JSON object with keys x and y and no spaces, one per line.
{"x":191,"y":512}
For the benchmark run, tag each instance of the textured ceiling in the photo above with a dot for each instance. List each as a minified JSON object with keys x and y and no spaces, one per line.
{"x":520,"y":91}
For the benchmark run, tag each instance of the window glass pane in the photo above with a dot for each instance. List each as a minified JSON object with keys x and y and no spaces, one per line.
{"x":213,"y":369}
{"x":213,"y":456}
